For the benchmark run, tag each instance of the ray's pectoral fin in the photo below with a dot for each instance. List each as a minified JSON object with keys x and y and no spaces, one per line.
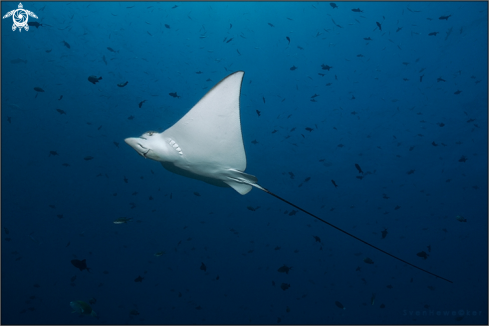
{"x":240,"y":181}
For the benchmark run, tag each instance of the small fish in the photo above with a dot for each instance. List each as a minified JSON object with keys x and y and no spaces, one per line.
{"x":382,"y":306}
{"x":457,"y":92}
{"x":196,"y":194}
{"x":367,"y":39}
{"x":444,"y":17}
{"x":380,"y":26}
{"x":309,"y":129}
{"x":318,"y":239}
{"x":372,"y":299}
{"x":339,"y":305}
{"x":422,"y":254}
{"x":439,"y":79}
{"x":122,"y":84}
{"x":429,"y":248}
{"x":284,"y":286}
{"x":368,"y":261}
{"x":61,"y":111}
{"x":433,"y":33}
{"x":80,"y":264}
{"x":358,"y":168}
{"x":116,"y":144}
{"x":398,"y":29}
{"x":9,"y":119}
{"x":462,"y":159}
{"x":175,"y":6}
{"x":334,"y":183}
{"x":88,"y":158}
{"x":258,"y":112}
{"x":284,"y":269}
{"x":15,"y":61}
{"x":112,"y":50}
{"x":122,"y":220}
{"x":254,"y":142}
{"x":141,"y":103}
{"x":39,"y":89}
{"x":410,"y":171}
{"x":52,"y":153}
{"x":293,"y":68}
{"x":203,"y":267}
{"x":60,"y":98}
{"x":159,"y":253}
{"x":167,"y":26}
{"x":384,"y":233}
{"x":421,"y":78}
{"x":174,"y":94}
{"x":66,"y":44}
{"x":288,"y":39}
{"x":271,"y":24}
{"x":333,"y":5}
{"x":357,"y":10}
{"x":94,"y":79}
{"x":82,"y":308}
{"x":138,"y":279}
{"x":460,"y":218}
{"x":326,"y":67}
{"x":263,"y":97}
{"x":230,"y":40}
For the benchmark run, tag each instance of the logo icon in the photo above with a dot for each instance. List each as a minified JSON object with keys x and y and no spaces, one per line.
{"x":20,"y":17}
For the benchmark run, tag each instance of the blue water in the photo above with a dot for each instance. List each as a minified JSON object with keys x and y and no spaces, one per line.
{"x":421,"y":144}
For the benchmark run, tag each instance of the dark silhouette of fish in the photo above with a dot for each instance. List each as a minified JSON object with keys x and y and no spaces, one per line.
{"x":18,"y":61}
{"x":421,"y":78}
{"x":230,"y":40}
{"x":288,"y":39}
{"x":116,"y":144}
{"x":439,"y":79}
{"x":309,"y":129}
{"x":384,"y":233}
{"x":433,"y":33}
{"x":52,"y":153}
{"x":94,"y":79}
{"x":202,"y":267}
{"x":35,"y":24}
{"x":367,"y":38}
{"x":339,"y":305}
{"x":444,"y":17}
{"x":357,"y":10}
{"x":66,"y":44}
{"x":293,"y":68}
{"x":368,"y":261}
{"x":332,"y":4}
{"x":358,"y":168}
{"x":258,"y":112}
{"x":457,"y":92}
{"x":80,"y":264}
{"x":88,"y":158}
{"x":112,"y":50}
{"x":334,"y":183}
{"x":9,"y":119}
{"x":60,"y":98}
{"x":462,"y":159}
{"x":122,"y":84}
{"x":326,"y":67}
{"x":141,"y":103}
{"x":284,"y":286}
{"x":263,"y":99}
{"x":380,"y":26}
{"x":422,"y":254}
{"x":138,"y":279}
{"x":271,"y":24}
{"x":61,"y":111}
{"x":398,"y":29}
{"x":284,"y":269}
{"x":174,"y":94}
{"x":38,"y":89}
{"x":318,"y":239}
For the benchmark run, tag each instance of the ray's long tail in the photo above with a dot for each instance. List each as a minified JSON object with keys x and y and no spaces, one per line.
{"x":349,"y":234}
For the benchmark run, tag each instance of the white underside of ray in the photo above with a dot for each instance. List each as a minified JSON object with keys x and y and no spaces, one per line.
{"x":205,"y":144}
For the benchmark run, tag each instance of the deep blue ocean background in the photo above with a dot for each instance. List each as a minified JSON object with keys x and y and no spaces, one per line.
{"x":408,"y":107}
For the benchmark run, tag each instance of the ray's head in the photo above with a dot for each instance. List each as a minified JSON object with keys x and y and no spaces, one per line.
{"x":150,"y":145}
